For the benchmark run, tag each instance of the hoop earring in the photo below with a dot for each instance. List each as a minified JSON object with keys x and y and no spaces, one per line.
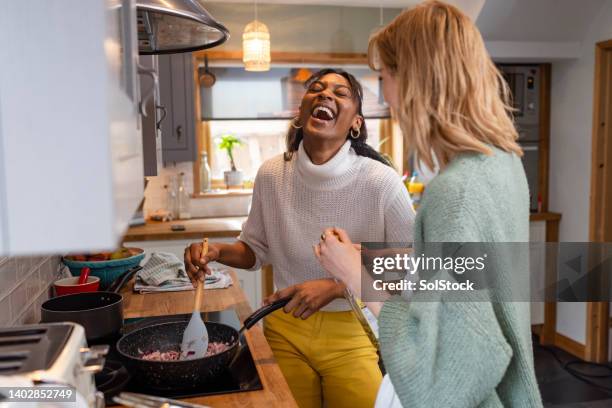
{"x":293,"y":123}
{"x":353,"y":135}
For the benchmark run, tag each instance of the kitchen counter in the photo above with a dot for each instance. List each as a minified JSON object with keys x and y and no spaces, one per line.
{"x":195,"y":228}
{"x":275,"y":391}
{"x":223,"y":227}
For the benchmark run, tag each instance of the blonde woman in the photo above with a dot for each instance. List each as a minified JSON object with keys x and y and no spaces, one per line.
{"x":452,"y":105}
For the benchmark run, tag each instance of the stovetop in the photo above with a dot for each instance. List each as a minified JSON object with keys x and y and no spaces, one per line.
{"x":240,"y":376}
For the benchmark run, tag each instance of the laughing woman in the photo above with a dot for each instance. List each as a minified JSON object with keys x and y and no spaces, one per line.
{"x":453,"y":107}
{"x":328,"y":176}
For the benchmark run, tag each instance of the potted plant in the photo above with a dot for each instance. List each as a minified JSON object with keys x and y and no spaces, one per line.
{"x":233,"y":177}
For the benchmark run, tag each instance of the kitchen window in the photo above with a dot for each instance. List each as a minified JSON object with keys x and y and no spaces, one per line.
{"x":263,"y":139}
{"x":257,"y":107}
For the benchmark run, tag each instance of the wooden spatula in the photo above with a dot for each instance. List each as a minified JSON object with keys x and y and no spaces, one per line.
{"x":195,"y":337}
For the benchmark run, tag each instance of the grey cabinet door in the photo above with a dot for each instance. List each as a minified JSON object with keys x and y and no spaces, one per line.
{"x":151,"y":137}
{"x":177,"y":95}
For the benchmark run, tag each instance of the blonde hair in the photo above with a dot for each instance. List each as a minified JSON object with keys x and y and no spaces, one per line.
{"x":452,"y":98}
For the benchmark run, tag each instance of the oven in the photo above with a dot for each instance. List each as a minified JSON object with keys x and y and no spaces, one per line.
{"x":524,"y":84}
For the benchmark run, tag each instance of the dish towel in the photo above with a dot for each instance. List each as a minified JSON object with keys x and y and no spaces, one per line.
{"x":164,"y":272}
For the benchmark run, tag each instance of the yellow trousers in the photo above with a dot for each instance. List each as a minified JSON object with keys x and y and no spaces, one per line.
{"x":327,"y":359}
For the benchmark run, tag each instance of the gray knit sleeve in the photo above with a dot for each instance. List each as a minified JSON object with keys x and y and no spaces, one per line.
{"x":253,"y":229}
{"x":443,"y":354}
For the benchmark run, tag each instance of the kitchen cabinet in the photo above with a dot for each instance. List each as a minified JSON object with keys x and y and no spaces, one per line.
{"x":250,"y":281}
{"x":537,"y":263}
{"x":71,"y":171}
{"x":154,"y":115}
{"x":177,"y":95}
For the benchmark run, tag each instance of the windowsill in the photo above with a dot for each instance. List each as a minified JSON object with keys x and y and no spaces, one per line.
{"x":221,"y":193}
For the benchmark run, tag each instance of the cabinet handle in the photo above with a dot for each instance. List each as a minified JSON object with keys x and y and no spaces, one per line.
{"x":150,"y":93}
{"x":163,"y":116}
{"x":179,"y":132}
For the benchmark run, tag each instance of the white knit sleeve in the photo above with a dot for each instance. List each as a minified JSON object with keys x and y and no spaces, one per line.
{"x":253,"y":230}
{"x":399,"y":214}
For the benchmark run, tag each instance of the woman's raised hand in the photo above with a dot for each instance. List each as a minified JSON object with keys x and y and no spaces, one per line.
{"x":196,"y":263}
{"x":340,"y":257}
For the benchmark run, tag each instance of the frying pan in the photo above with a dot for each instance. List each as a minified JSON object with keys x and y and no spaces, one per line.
{"x":100,"y":313}
{"x":183,"y":374}
{"x":207,"y":79}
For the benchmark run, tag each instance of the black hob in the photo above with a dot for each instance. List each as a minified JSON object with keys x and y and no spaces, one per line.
{"x":240,"y":376}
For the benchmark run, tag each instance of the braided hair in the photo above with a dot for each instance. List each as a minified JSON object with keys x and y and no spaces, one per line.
{"x":295,"y":136}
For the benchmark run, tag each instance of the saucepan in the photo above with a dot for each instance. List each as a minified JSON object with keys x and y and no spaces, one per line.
{"x":189,"y":373}
{"x":100,"y":313}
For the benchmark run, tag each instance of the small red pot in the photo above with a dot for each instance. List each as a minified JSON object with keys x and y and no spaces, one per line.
{"x":70,"y":285}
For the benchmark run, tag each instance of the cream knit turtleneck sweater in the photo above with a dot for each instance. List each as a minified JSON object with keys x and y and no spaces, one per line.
{"x":294,"y":201}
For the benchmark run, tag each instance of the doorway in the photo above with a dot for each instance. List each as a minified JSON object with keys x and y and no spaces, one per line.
{"x":598,"y":313}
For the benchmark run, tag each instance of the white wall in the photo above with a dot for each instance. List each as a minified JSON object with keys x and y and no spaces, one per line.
{"x":570,"y":154}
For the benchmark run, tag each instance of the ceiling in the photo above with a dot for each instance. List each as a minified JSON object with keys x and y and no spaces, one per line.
{"x":499,"y":20}
{"x":537,"y":20}
{"x":470,"y":7}
{"x":512,"y":29}
{"x":349,"y":3}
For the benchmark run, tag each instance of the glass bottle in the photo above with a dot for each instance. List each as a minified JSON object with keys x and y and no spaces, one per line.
{"x":205,"y":176}
{"x":415,"y":189}
{"x":171,"y":198}
{"x":183,"y":199}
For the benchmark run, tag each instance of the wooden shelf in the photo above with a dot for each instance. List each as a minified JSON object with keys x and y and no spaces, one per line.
{"x":545,"y":216}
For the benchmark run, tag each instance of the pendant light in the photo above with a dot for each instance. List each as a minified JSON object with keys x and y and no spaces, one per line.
{"x":256,"y":45}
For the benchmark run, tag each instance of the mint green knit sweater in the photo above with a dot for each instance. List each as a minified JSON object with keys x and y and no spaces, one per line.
{"x":465,"y":354}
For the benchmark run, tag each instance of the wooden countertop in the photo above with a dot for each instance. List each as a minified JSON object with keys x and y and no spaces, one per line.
{"x":224,"y":227}
{"x":196,"y":228}
{"x":275,"y":391}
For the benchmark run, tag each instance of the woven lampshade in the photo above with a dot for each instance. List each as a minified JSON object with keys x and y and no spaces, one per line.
{"x":256,"y":47}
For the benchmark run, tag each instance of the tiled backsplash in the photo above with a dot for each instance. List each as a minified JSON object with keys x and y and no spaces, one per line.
{"x":155,"y":196}
{"x":24,"y":285}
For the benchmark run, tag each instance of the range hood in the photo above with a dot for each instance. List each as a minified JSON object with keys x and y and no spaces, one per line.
{"x":171,"y":26}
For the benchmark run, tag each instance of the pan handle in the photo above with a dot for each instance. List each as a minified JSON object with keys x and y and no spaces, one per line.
{"x":120,"y":282}
{"x":262,"y":312}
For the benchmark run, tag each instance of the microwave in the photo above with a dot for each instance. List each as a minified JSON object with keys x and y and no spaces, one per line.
{"x":524,"y":84}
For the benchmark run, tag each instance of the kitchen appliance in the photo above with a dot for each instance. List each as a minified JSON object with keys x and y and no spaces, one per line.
{"x":170,"y":26}
{"x":524,"y":84}
{"x":100,"y":313}
{"x":240,"y":376}
{"x":54,"y":353}
{"x":188,"y":373}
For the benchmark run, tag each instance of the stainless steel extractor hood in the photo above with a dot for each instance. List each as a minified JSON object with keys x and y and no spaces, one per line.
{"x":170,"y":26}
